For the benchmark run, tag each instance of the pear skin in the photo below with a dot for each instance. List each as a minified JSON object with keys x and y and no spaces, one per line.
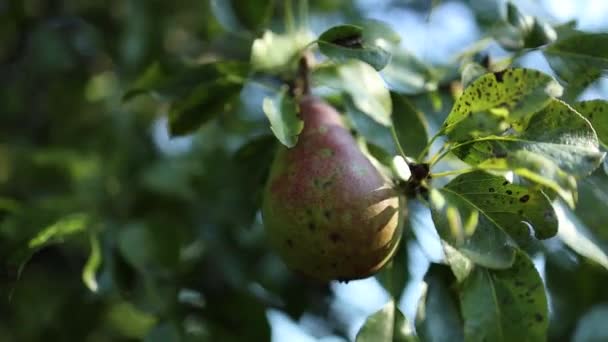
{"x":327,"y":210}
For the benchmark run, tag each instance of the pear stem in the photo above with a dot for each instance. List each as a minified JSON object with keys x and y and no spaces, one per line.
{"x":303,"y":76}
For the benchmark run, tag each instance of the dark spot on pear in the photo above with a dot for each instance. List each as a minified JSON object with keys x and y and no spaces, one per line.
{"x":327,"y":214}
{"x":491,"y":190}
{"x":311,"y":226}
{"x":505,"y":183}
{"x":509,"y":192}
{"x":538,"y":317}
{"x":289,"y":243}
{"x":524,"y":198}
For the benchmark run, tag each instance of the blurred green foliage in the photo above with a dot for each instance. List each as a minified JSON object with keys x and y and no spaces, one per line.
{"x":110,"y":230}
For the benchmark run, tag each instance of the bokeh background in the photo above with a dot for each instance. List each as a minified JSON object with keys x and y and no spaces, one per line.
{"x":110,"y":230}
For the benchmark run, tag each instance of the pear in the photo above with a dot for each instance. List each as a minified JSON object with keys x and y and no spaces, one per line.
{"x":326,"y":209}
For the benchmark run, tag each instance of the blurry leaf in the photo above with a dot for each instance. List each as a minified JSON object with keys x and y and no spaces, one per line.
{"x":161,"y":252}
{"x":89,"y":272}
{"x":224,"y":13}
{"x":437,"y":316}
{"x":514,"y":208}
{"x":9,"y":205}
{"x":505,"y":305}
{"x":460,"y":265}
{"x":395,"y":274}
{"x":538,"y":169}
{"x":531,"y":32}
{"x":487,"y":12}
{"x":386,"y":325}
{"x":252,"y":14}
{"x":273,"y":52}
{"x":539,"y":34}
{"x":593,"y":198}
{"x":410,"y":126}
{"x":495,"y":100}
{"x":168,"y":81}
{"x":253,"y":161}
{"x":346,"y":42}
{"x":575,"y":235}
{"x":370,"y":129}
{"x":204,"y":103}
{"x":579,"y":58}
{"x":473,"y":232}
{"x":596,"y":111}
{"x":163,"y":332}
{"x":515,"y":18}
{"x":285,"y":123}
{"x":407,"y":74}
{"x":556,"y":132}
{"x":471,"y":72}
{"x":362,"y":84}
{"x":592,"y":326}
{"x":128,"y":321}
{"x":375,"y":30}
{"x":69,"y":225}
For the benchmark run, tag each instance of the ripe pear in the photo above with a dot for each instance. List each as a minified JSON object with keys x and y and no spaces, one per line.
{"x":326,"y":209}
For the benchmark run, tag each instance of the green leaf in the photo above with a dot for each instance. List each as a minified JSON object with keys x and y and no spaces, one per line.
{"x":505,"y":305}
{"x":345,"y":42}
{"x":473,"y":232}
{"x":592,"y":326}
{"x":252,"y":14}
{"x":281,"y":111}
{"x":516,"y":19}
{"x":539,"y":34}
{"x":407,"y":74}
{"x":496,"y":101}
{"x":362,"y":84}
{"x":514,"y":208}
{"x":162,"y":247}
{"x":395,"y":275}
{"x":460,"y":265}
{"x":410,"y":126}
{"x":67,"y":226}
{"x":203,"y":104}
{"x":386,"y":325}
{"x":538,"y":169}
{"x":370,"y":129}
{"x":596,"y":111}
{"x":579,"y":58}
{"x":591,"y":208}
{"x":437,"y":316}
{"x":471,"y":72}
{"x":577,"y":236}
{"x":557,"y":132}
{"x":273,"y":53}
{"x":375,"y":30}
{"x":164,"y":331}
{"x":168,"y":81}
{"x":90,"y":268}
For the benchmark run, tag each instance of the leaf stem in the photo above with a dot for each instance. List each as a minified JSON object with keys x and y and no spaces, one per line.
{"x":303,"y":14}
{"x":454,"y":172}
{"x":290,"y":23}
{"x":428,"y":146}
{"x":438,"y":156}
